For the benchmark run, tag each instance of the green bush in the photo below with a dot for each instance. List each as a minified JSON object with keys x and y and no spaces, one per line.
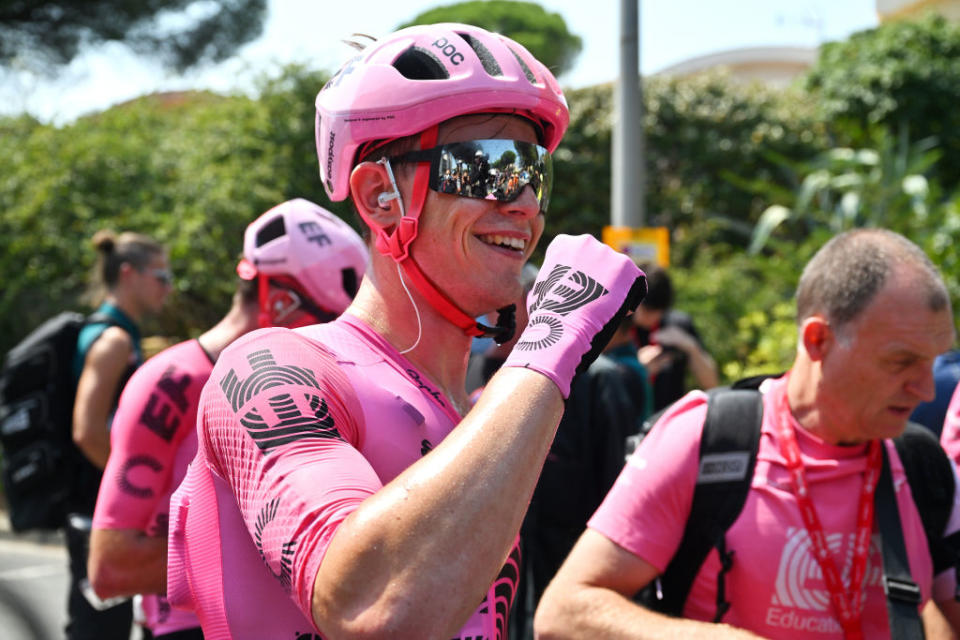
{"x":902,"y":74}
{"x":190,"y":169}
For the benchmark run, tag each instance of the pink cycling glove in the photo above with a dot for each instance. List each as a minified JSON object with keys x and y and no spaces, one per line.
{"x":584,"y":290}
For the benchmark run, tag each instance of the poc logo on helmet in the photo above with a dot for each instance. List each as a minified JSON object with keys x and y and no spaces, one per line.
{"x":448,"y":50}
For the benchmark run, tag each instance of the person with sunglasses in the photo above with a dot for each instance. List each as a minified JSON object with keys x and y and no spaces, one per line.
{"x":131,"y":279}
{"x":301,"y":265}
{"x":343,"y":483}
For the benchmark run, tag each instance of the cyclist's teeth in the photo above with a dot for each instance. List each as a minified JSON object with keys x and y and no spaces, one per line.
{"x":503,"y":241}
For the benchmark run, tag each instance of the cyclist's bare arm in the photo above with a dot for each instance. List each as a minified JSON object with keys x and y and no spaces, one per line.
{"x":125,"y":562}
{"x":105,"y":364}
{"x":441,"y":530}
{"x":590,"y":598}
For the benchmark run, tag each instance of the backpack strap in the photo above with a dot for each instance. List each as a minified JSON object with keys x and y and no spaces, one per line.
{"x":109,"y":315}
{"x":728,"y":455}
{"x":903,"y":594}
{"x":930,"y":475}
{"x":99,"y":317}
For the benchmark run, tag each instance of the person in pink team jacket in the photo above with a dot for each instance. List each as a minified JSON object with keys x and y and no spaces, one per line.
{"x":301,"y":265}
{"x":343,"y":485}
{"x":872,"y":314}
{"x":950,"y":435}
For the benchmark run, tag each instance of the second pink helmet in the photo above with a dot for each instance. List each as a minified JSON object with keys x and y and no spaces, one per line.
{"x":303,"y":241}
{"x":421,"y":76}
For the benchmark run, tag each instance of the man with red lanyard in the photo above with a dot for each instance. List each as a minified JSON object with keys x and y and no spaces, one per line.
{"x":872,"y":315}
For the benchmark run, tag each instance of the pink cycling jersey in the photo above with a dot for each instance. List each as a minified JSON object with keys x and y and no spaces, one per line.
{"x":296,"y":429}
{"x":152,"y":440}
{"x":775,"y":585}
{"x":950,"y":435}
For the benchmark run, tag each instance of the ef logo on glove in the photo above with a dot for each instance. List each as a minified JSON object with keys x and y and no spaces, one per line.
{"x":552,"y":298}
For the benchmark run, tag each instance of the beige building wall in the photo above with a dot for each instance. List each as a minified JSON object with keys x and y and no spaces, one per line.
{"x":774,"y":66}
{"x":779,"y":66}
{"x":897,"y":9}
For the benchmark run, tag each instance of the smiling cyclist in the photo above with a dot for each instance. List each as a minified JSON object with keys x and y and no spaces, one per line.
{"x":343,"y":485}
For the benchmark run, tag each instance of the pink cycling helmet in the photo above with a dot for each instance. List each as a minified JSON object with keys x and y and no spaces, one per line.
{"x":303,"y":241}
{"x":421,"y":76}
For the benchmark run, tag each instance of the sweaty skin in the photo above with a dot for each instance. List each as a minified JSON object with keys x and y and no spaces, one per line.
{"x":342,"y":440}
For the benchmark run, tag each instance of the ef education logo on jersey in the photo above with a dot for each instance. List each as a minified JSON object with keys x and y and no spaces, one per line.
{"x":800,"y":602}
{"x":283,"y":573}
{"x":167,"y":404}
{"x":563,"y":291}
{"x":135,"y":476}
{"x":278,"y":418}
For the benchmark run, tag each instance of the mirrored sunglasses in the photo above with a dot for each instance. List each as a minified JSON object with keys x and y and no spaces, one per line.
{"x":487,"y":169}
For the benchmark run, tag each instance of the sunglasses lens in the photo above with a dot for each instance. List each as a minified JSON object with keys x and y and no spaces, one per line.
{"x":163,"y":276}
{"x":493,"y":169}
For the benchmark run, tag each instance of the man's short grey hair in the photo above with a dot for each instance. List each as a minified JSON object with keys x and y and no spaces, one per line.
{"x":846,"y":273}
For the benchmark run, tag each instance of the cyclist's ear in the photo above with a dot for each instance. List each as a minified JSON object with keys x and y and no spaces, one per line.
{"x":374,"y":196}
{"x":816,"y":337}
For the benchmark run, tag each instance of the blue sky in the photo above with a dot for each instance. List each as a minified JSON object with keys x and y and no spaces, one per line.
{"x":310,"y":31}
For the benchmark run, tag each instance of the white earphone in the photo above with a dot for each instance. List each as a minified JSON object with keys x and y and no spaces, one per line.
{"x":384,"y":198}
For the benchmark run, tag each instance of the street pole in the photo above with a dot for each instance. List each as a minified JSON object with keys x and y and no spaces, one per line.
{"x":628,"y":171}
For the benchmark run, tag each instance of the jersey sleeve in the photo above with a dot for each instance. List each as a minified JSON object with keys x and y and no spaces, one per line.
{"x":647,"y":509}
{"x":157,"y":409}
{"x":280,"y":424}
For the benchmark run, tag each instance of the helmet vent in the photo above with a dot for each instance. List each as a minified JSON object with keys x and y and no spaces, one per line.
{"x":419,"y":64}
{"x":523,"y":65}
{"x":271,"y":231}
{"x":486,"y":58}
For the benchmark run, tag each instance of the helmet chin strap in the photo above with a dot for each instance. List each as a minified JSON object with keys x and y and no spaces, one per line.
{"x":396,"y":244}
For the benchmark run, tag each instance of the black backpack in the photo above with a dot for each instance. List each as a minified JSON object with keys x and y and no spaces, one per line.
{"x":37,"y":391}
{"x":728,"y":454}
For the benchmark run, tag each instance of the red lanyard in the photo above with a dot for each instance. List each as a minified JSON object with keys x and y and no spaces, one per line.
{"x":847,"y":603}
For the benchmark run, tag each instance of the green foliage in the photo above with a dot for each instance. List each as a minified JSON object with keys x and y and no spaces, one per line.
{"x":190,"y":169}
{"x":54,"y":32}
{"x":941,"y":241}
{"x":773,"y":335}
{"x":580,"y":202}
{"x":845,"y":188}
{"x":543,"y":33}
{"x":842,"y":189}
{"x":902,"y":73}
{"x":743,"y":305}
{"x":707,"y":141}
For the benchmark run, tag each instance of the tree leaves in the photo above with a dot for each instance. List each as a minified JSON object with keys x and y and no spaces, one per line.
{"x":190,"y":169}
{"x":543,"y":33}
{"x":43,"y":35}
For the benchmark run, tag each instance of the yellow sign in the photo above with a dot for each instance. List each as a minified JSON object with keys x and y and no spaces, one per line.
{"x":646,"y":244}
